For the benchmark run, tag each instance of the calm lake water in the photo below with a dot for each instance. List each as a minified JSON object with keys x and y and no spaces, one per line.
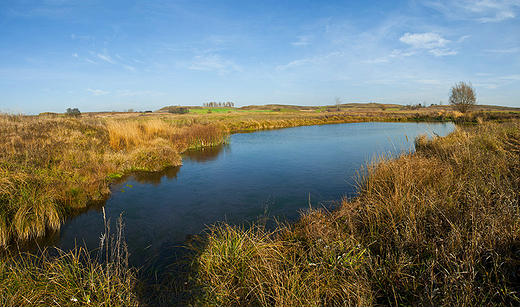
{"x":280,"y":172}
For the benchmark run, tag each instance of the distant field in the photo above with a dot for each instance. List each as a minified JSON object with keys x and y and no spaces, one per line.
{"x":364,"y":108}
{"x":213,"y":110}
{"x":228,"y":110}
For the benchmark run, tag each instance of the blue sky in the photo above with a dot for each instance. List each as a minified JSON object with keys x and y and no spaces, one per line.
{"x":103,"y":55}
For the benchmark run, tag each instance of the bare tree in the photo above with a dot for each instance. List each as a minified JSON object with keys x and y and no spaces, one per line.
{"x":338,"y":103}
{"x":463,"y":96}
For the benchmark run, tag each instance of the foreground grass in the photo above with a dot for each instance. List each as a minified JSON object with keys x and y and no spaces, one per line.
{"x":440,"y":227}
{"x":74,"y":278}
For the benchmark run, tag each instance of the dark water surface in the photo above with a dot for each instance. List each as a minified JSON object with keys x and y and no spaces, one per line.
{"x":278,"y":171}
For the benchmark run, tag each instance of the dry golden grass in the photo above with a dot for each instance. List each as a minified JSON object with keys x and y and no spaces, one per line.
{"x":53,"y":166}
{"x":440,"y":227}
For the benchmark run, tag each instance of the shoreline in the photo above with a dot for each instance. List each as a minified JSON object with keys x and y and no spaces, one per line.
{"x":419,"y":221}
{"x":369,"y":226}
{"x":70,"y":178}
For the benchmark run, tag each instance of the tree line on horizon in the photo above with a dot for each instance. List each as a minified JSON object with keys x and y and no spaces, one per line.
{"x":213,"y":104}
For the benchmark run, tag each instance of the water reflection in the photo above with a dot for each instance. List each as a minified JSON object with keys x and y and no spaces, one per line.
{"x":206,"y":154}
{"x":284,"y":170}
{"x":153,"y":178}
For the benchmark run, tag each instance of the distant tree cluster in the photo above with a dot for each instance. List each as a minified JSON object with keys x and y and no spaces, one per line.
{"x":73,"y":112}
{"x":179,"y":110}
{"x":414,"y":106}
{"x":212,"y":104}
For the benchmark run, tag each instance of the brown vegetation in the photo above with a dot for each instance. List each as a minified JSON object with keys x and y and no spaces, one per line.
{"x":52,"y":166}
{"x":436,"y":228}
{"x":439,"y":227}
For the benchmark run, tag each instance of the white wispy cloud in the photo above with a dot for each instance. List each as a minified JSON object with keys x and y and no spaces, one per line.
{"x":477,"y":10}
{"x":327,"y":58}
{"x":97,"y":92}
{"x":443,"y":52}
{"x":488,"y":86}
{"x":510,"y":78}
{"x":106,"y":57}
{"x":302,"y":41}
{"x":83,"y":37}
{"x":213,"y":62}
{"x":76,"y":55}
{"x":434,"y":43}
{"x":130,"y":68}
{"x":424,"y":40}
{"x":460,"y":40}
{"x":293,"y":64}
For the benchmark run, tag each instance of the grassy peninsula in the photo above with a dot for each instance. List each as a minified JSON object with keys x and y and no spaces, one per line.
{"x":438,"y":227}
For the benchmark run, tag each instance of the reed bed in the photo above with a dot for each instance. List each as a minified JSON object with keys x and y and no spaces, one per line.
{"x":52,"y":167}
{"x":440,"y":227}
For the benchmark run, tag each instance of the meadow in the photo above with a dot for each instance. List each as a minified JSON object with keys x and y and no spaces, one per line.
{"x":439,"y":227}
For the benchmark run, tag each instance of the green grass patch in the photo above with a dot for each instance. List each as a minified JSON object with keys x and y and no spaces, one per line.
{"x":213,"y":110}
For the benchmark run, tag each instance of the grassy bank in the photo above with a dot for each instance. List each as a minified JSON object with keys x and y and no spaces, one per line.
{"x":52,"y":167}
{"x":440,"y":227}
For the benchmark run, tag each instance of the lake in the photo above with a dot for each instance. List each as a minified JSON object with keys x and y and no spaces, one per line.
{"x":278,"y":172}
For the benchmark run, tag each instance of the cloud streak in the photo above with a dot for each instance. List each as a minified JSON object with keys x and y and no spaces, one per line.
{"x":432,"y":42}
{"x":97,"y":92}
{"x":213,"y":62}
{"x":484,"y":11}
{"x":106,"y":57}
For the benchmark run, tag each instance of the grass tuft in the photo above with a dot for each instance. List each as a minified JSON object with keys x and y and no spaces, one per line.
{"x":57,"y":278}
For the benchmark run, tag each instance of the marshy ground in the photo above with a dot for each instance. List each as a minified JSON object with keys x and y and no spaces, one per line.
{"x":439,"y":227}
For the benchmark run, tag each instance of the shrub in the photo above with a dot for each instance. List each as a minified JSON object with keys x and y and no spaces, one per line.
{"x":179,"y":110}
{"x":73,"y":112}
